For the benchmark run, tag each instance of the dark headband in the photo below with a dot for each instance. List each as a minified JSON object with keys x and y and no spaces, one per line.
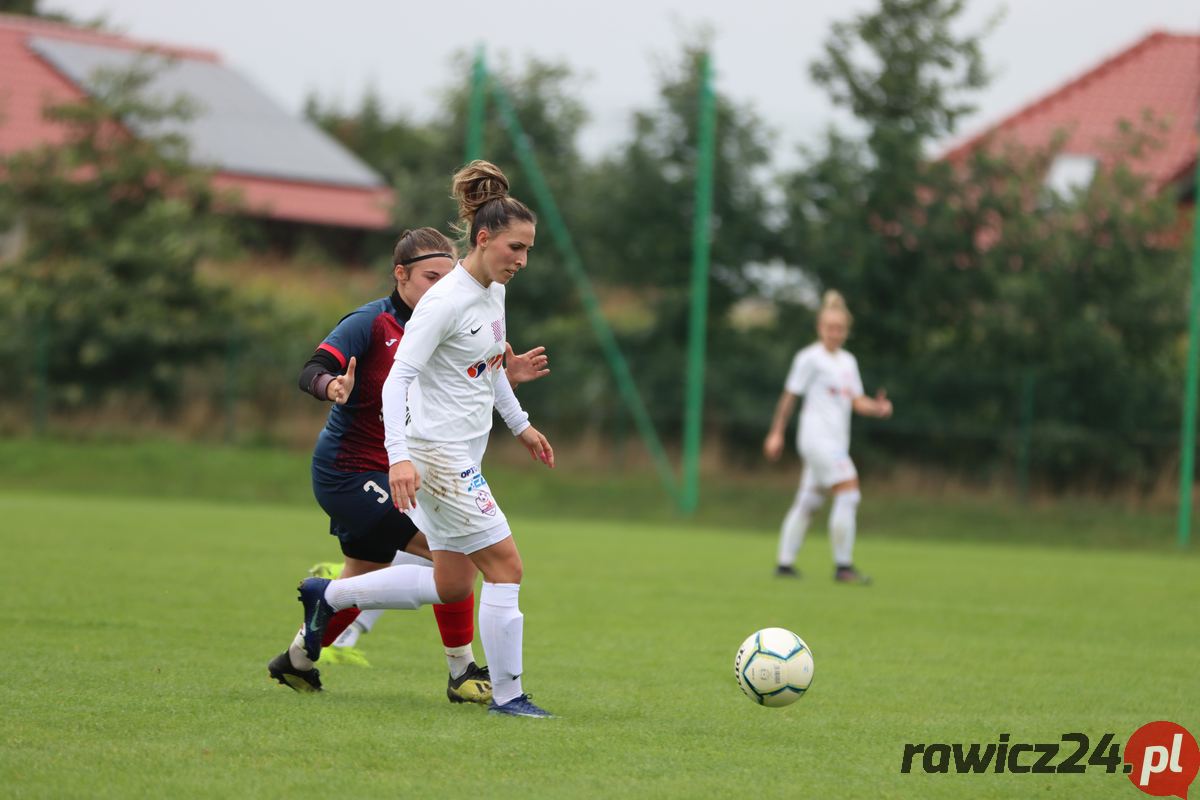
{"x":406,"y":262}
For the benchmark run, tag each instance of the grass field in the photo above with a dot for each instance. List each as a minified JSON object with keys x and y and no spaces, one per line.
{"x":140,"y":622}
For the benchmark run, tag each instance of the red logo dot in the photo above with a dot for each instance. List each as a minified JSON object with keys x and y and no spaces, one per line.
{"x":1164,"y":758}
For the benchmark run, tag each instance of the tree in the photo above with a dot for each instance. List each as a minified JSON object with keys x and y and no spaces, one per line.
{"x":34,"y":8}
{"x":967,"y":281}
{"x":115,"y":222}
{"x":639,"y":227}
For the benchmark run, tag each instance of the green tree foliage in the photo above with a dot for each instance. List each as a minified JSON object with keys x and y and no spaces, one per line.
{"x":970,"y":284}
{"x":419,"y":159}
{"x":114,"y":221}
{"x":28,"y":8}
{"x":36,"y":8}
{"x":640,"y":233}
{"x":410,"y":155}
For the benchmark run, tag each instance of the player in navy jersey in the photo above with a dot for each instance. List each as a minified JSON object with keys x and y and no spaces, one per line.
{"x":349,"y":465}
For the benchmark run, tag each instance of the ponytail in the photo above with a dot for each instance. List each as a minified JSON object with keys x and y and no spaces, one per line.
{"x":484,"y":203}
{"x":832,"y":300}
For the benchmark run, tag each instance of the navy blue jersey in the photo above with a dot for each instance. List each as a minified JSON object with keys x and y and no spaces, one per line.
{"x":352,"y":440}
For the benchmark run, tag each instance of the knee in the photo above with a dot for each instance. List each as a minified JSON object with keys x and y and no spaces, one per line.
{"x":848,"y":498}
{"x":510,"y":570}
{"x":453,"y":591}
{"x":418,"y":546}
{"x":808,"y":501}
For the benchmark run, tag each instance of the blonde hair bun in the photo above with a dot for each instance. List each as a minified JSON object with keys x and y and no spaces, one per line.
{"x":832,"y":300}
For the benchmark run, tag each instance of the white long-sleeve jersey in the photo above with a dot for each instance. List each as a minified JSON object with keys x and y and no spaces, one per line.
{"x":449,"y":368}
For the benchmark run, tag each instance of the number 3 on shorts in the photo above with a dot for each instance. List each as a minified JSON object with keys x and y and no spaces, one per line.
{"x":372,"y":486}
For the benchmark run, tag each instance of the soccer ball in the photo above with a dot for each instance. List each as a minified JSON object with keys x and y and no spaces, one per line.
{"x":774,"y":667}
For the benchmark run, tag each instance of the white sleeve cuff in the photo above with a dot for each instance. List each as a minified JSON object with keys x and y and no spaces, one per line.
{"x":515,"y":417}
{"x":395,"y":411}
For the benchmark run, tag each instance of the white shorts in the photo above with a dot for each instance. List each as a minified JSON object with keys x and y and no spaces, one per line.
{"x":455,"y":508}
{"x":826,"y":468}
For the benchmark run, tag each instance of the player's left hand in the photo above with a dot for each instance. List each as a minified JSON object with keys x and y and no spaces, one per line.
{"x":525,"y":367}
{"x":883,"y":406}
{"x":538,"y":446}
{"x":339,"y":388}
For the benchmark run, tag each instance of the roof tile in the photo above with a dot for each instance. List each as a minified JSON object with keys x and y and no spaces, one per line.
{"x":1160,"y":73}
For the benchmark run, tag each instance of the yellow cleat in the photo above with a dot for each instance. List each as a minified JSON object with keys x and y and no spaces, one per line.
{"x":351,"y":656}
{"x":326,"y":569}
{"x":473,"y":686}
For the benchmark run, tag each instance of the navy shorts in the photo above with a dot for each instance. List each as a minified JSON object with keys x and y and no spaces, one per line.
{"x":361,"y":513}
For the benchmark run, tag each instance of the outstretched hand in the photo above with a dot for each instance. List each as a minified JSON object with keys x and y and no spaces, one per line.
{"x":339,"y":388}
{"x":883,"y":406}
{"x":773,"y":446}
{"x":538,"y":446}
{"x":526,"y":367}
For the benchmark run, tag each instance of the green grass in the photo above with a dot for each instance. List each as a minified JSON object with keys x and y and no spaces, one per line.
{"x":733,"y":499}
{"x":138,"y":629}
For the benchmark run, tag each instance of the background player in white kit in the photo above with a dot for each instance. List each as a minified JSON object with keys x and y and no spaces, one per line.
{"x":828,"y":379}
{"x":448,"y":368}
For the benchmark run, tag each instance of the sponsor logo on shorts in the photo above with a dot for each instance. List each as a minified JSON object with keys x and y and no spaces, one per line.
{"x":478,"y":482}
{"x":468,"y":472}
{"x":485,"y":502}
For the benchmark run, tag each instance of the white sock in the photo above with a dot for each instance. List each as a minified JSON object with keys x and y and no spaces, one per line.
{"x":404,"y":586}
{"x":362,"y":624}
{"x":459,"y":658}
{"x":843,"y":526}
{"x":402,"y":557}
{"x":501,"y":627}
{"x":367,"y":619}
{"x":791,"y":535}
{"x":299,"y":658}
{"x":348,"y":637}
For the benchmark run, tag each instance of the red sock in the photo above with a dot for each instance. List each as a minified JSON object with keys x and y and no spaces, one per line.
{"x":456,"y":621}
{"x":338,"y":623}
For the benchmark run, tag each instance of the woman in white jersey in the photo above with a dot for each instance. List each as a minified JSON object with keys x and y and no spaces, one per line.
{"x":827,"y":377}
{"x":449,"y":368}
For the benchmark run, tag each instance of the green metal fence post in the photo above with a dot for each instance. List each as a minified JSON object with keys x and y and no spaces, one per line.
{"x":477,"y":108}
{"x":41,"y":397}
{"x":232,"y":356}
{"x":698,"y":320}
{"x":1025,"y":444}
{"x":1187,"y":442}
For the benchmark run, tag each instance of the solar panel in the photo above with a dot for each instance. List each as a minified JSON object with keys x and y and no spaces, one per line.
{"x":236,"y":127}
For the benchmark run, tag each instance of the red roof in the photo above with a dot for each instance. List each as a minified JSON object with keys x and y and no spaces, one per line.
{"x":1160,"y":73}
{"x":320,"y":204}
{"x":28,"y":83}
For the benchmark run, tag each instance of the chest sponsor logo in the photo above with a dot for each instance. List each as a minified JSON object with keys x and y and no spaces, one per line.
{"x":480,"y":367}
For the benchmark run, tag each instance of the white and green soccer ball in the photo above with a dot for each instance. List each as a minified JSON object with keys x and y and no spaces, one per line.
{"x":774,"y":667}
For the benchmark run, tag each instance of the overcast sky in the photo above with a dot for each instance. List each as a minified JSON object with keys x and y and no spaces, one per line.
{"x":762,"y":49}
